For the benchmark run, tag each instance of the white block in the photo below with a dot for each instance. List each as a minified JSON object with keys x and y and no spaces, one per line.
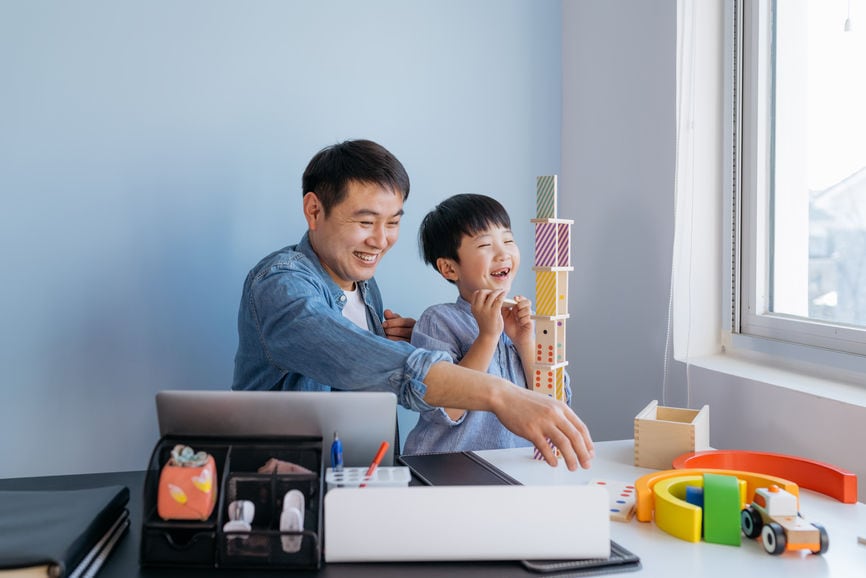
{"x":466,"y":523}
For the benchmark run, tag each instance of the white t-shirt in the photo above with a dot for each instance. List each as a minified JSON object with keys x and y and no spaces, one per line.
{"x":354,"y":310}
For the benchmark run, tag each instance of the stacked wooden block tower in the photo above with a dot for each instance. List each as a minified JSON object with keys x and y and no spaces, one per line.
{"x":552,"y":265}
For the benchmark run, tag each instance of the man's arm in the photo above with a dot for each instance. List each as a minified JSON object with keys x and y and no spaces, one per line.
{"x":528,"y":414}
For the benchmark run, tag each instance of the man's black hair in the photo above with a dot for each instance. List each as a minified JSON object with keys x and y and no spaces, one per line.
{"x":330,"y":171}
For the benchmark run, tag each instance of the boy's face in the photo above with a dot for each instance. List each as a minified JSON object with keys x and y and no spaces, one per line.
{"x":351,"y":241}
{"x":488,"y":260}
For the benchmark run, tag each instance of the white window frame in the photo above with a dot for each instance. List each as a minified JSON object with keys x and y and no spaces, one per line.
{"x":747,"y":323}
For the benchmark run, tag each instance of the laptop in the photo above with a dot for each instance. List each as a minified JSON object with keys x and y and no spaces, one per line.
{"x":363,"y":420}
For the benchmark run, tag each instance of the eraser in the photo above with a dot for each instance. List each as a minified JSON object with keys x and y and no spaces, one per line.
{"x":508,"y":302}
{"x":292,"y":520}
{"x":243,"y":510}
{"x":294,"y":499}
{"x":237,"y":526}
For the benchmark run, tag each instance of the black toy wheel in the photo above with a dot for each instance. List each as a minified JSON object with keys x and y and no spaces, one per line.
{"x":825,"y":539}
{"x":751,"y":522}
{"x":774,"y":538}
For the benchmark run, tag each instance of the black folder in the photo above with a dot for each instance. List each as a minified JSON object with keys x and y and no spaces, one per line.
{"x":456,"y":469}
{"x":61,"y":533}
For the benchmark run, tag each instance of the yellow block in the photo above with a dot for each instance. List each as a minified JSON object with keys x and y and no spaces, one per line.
{"x":644,"y":485}
{"x":673,"y":513}
{"x":545,"y":293}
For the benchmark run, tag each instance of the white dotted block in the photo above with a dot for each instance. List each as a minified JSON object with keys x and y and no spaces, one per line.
{"x":622,"y":498}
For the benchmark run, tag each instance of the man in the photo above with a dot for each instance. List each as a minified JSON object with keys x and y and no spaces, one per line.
{"x":311,"y":316}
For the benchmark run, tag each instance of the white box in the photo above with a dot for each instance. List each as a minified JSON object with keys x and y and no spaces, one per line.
{"x":466,"y":523}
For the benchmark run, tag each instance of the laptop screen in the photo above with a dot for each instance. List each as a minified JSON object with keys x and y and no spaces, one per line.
{"x":363,"y":420}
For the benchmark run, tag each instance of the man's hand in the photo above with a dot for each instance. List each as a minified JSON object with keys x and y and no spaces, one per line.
{"x":397,"y":328}
{"x":530,"y":415}
{"x":538,"y":418}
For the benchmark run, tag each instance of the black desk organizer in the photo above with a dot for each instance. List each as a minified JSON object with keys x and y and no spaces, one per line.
{"x":191,"y":543}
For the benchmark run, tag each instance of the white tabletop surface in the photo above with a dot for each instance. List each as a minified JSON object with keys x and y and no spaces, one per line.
{"x":664,"y":555}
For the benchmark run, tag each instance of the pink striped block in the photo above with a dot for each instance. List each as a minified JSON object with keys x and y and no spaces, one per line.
{"x":536,"y":454}
{"x":563,"y":241}
{"x":545,"y":245}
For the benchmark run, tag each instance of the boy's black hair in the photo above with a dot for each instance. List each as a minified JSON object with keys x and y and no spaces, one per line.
{"x":443,"y":228}
{"x":333,"y":168}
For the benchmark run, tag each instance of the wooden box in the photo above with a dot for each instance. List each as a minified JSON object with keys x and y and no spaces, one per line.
{"x":664,"y":433}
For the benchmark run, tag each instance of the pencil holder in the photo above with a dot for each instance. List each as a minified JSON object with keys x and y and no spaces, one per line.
{"x":354,"y":477}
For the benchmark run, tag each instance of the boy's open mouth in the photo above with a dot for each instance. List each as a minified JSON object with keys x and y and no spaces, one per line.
{"x":501,"y":273}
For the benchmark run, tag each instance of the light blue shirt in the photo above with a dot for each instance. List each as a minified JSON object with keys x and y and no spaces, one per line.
{"x":293,"y":336}
{"x":452,"y":328}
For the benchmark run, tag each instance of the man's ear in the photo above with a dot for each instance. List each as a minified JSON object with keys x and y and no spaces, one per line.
{"x":447,"y":268}
{"x":314,"y":212}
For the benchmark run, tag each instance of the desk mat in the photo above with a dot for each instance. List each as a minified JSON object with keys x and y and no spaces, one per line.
{"x":621,"y":560}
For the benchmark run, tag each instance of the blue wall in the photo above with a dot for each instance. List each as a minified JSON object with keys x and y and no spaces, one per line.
{"x":151,"y":153}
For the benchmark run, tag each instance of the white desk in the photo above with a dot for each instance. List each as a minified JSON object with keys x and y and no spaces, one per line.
{"x":663,"y":555}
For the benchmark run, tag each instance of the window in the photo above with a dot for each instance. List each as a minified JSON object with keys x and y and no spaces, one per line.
{"x":798,"y":121}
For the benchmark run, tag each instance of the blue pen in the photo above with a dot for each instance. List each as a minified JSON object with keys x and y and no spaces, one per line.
{"x":337,"y":454}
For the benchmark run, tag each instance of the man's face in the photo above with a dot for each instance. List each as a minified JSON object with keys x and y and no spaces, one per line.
{"x":357,"y":233}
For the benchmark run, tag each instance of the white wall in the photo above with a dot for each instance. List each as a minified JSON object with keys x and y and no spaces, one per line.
{"x":151,"y":153}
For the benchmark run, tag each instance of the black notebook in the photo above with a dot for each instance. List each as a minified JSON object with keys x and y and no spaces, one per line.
{"x":468,"y":469}
{"x":60,"y":534}
{"x":456,"y":469}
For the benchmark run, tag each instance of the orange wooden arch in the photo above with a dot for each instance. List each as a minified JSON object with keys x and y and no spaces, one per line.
{"x":812,"y":475}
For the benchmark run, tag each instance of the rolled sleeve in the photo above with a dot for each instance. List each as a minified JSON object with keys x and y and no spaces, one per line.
{"x":412,"y":390}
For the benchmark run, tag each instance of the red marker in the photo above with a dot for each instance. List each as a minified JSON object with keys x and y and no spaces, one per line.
{"x":376,"y":461}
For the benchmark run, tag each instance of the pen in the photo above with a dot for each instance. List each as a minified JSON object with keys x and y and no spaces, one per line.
{"x":372,"y":469}
{"x":337,"y":454}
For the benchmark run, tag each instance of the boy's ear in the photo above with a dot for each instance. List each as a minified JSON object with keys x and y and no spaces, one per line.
{"x":446,"y":268}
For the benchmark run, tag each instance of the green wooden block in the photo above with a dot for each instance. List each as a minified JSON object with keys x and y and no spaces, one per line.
{"x":722,"y":510}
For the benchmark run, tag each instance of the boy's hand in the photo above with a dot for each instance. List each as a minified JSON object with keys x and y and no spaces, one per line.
{"x":518,"y":321}
{"x":487,"y":309}
{"x":397,"y":328}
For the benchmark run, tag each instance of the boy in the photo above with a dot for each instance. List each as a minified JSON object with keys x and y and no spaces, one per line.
{"x":468,"y":240}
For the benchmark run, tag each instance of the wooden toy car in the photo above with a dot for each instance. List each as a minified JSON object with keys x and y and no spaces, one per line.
{"x":773,"y":515}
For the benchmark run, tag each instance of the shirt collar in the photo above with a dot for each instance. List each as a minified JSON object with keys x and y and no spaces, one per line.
{"x":306,"y":248}
{"x":463,"y":304}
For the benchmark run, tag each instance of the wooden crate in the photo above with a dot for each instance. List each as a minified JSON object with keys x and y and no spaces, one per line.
{"x":664,"y":433}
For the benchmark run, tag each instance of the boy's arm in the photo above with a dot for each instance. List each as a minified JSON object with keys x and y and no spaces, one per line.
{"x":478,"y":357}
{"x":526,"y":353}
{"x":519,"y":327}
{"x":486,"y":308}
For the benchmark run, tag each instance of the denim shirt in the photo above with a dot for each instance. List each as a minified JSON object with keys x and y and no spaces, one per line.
{"x":451,"y":327}
{"x":292,"y":335}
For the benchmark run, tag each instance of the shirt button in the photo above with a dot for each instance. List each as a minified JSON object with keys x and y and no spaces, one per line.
{"x":342,"y":298}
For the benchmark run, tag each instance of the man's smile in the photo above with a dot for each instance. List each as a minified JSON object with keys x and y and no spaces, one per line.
{"x":366,"y":257}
